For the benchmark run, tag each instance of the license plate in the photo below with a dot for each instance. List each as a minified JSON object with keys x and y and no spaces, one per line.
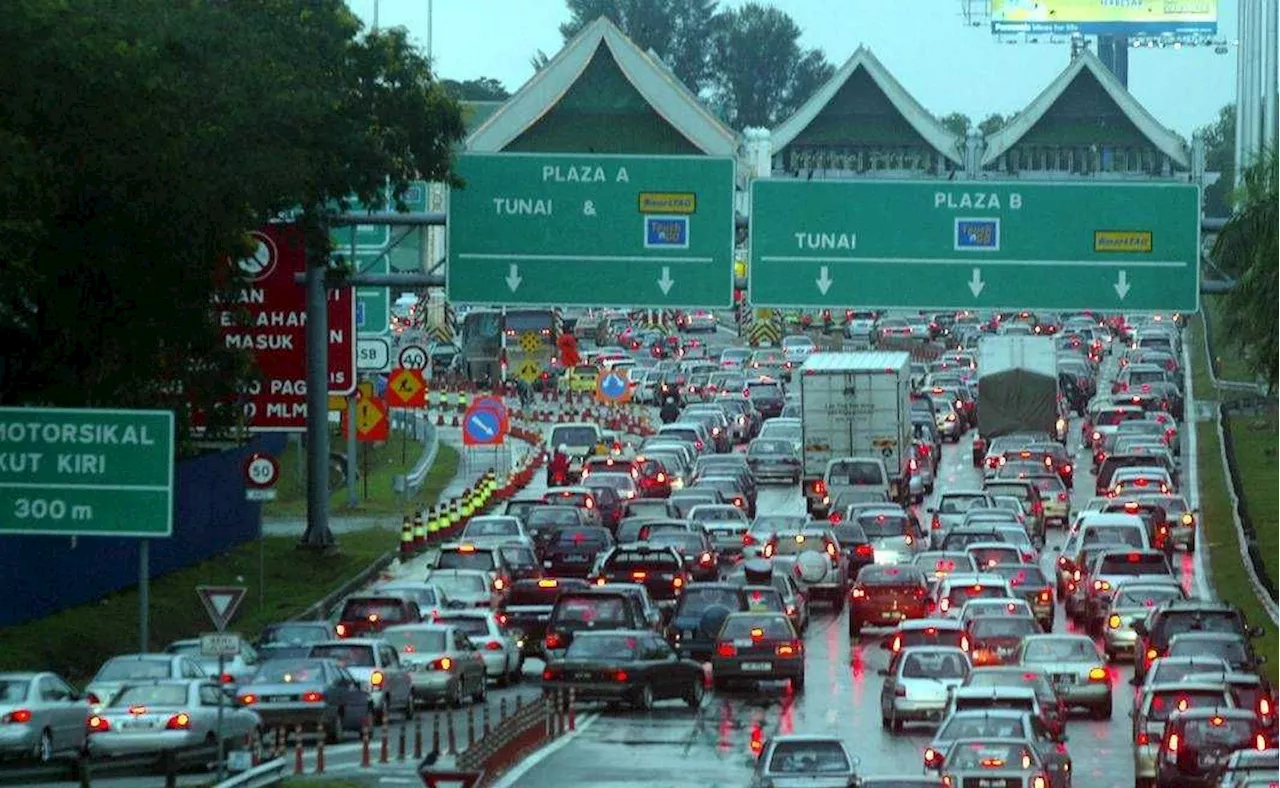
{"x":582,"y":676}
{"x":743,"y":643}
{"x":892,"y":615}
{"x":279,"y":699}
{"x":757,"y":666}
{"x":688,"y":634}
{"x":577,"y":559}
{"x":1064,"y":678}
{"x":134,"y":725}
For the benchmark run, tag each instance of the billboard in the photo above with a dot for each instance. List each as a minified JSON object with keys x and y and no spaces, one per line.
{"x":1105,"y":17}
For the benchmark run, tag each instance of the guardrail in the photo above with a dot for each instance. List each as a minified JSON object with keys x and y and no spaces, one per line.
{"x":529,"y":726}
{"x":82,"y":769}
{"x":272,"y":772}
{"x":422,"y":430}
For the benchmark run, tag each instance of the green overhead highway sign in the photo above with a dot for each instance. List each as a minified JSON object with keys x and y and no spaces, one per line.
{"x":80,"y":472}
{"x":369,"y":247}
{"x":980,"y":244}
{"x":583,"y":230}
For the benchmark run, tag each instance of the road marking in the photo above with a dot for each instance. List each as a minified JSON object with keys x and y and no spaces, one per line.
{"x":538,"y":756}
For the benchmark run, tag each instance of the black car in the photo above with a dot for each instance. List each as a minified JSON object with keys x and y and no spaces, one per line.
{"x":572,"y":552}
{"x":1176,"y":616}
{"x":767,"y":397}
{"x":527,"y":609}
{"x":661,"y":570}
{"x":695,"y":547}
{"x":633,"y":666}
{"x":608,"y":501}
{"x":855,"y":544}
{"x":521,"y":561}
{"x":592,"y":610}
{"x":697,"y":618}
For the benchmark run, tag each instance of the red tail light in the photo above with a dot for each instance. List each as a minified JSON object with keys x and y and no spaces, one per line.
{"x":858,"y":592}
{"x":620,"y":676}
{"x":503,"y":618}
{"x":896,"y":646}
{"x":932,"y":758}
{"x":312,"y":697}
{"x":748,"y":540}
{"x":726,"y":649}
{"x":820,"y":487}
{"x":964,"y":643}
{"x":1260,"y":742}
{"x":226,"y":678}
{"x":864,"y":551}
{"x":1172,"y":743}
{"x":248,"y":700}
{"x":768,"y":550}
{"x":553,"y":640}
{"x":17,"y":716}
{"x":96,"y":724}
{"x":444,"y":663}
{"x":935,"y":524}
{"x":792,"y":649}
{"x":1046,"y":596}
{"x":493,"y":645}
{"x":831,"y":550}
{"x":341,"y":630}
{"x":836,"y":518}
{"x":179,"y":722}
{"x":549,"y":675}
{"x":1143,"y":739}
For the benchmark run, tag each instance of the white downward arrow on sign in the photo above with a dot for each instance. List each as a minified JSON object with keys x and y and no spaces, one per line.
{"x":666,"y":281}
{"x":824,"y":280}
{"x":513,"y":278}
{"x":976,"y":284}
{"x":1122,"y":285}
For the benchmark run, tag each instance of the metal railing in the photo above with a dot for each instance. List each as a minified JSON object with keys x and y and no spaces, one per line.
{"x":272,"y":772}
{"x":424,"y":431}
{"x":528,"y":726}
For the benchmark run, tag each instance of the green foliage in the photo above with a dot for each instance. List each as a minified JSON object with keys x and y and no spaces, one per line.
{"x":482,"y":89}
{"x":139,"y":142}
{"x":957,"y":123}
{"x":676,"y":30}
{"x":993,"y":123}
{"x":1247,"y":250}
{"x":1220,"y":156}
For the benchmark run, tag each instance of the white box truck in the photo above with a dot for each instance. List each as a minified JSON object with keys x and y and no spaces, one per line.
{"x":855,"y":419}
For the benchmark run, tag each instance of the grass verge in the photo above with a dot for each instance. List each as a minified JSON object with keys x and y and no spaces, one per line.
{"x":1254,"y":439}
{"x":1230,"y":361}
{"x":378,"y":465}
{"x":75,"y":642}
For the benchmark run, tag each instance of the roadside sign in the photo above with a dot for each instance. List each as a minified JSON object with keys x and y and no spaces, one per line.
{"x":528,"y":371}
{"x":274,"y":331}
{"x":412,"y":357}
{"x":373,"y":354}
{"x":221,"y":603}
{"x":219,"y":644}
{"x":406,"y":388}
{"x":86,"y":472}
{"x":370,"y":250}
{"x":373,"y":424}
{"x":433,"y":778}
{"x":612,"y":386}
{"x":261,"y":472}
{"x":986,"y":245}
{"x":592,"y":230}
{"x":485,"y":423}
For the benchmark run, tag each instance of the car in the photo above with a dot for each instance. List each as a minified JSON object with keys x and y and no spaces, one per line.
{"x":937,"y":564}
{"x":503,"y":661}
{"x":957,"y":588}
{"x":991,"y":762}
{"x":290,"y":639}
{"x":774,"y":459}
{"x":924,"y":632}
{"x":615,"y":606}
{"x":760,"y":572}
{"x":235,"y":669}
{"x":1249,"y":768}
{"x":170,"y":716}
{"x":376,"y":665}
{"x":696,"y":550}
{"x":1002,"y":724}
{"x":572,"y":552}
{"x":1153,"y":708}
{"x":494,"y":529}
{"x":1248,"y":690}
{"x":659,"y":569}
{"x":1230,"y":647}
{"x":1076,"y":668}
{"x":464,"y":555}
{"x":465,"y":588}
{"x":1177,"y":616}
{"x":633,"y":666}
{"x":758,"y":646}
{"x":1030,"y":583}
{"x":697,"y":617}
{"x":525,"y":612}
{"x":314,"y":694}
{"x":443,"y":661}
{"x":1198,"y":743}
{"x":993,"y":639}
{"x":580,"y":379}
{"x":130,"y":668}
{"x":1171,"y":669}
{"x":811,"y":760}
{"x":895,"y":532}
{"x":430,"y":599}
{"x":917,"y":685}
{"x":1130,"y":602}
{"x":819,"y":566}
{"x":886,"y":595}
{"x":42,"y":717}
{"x":1008,"y":606}
{"x":1052,"y":708}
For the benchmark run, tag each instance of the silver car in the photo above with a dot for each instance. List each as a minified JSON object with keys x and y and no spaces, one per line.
{"x":376,"y":665}
{"x":494,"y":530}
{"x":41,"y":717}
{"x":1076,"y":668}
{"x":502,"y":659}
{"x":442,"y":662}
{"x":951,"y":509}
{"x":131,"y":668}
{"x":986,"y":761}
{"x":464,"y":587}
{"x":235,"y":670}
{"x":814,"y":761}
{"x":1131,"y":601}
{"x":918,"y":687}
{"x":169,"y":716}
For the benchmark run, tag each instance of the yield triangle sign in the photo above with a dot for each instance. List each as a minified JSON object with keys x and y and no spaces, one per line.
{"x":432,"y":778}
{"x":221,"y":603}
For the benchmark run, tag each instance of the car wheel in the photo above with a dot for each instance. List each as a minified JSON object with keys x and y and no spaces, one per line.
{"x":44,"y":747}
{"x":644,"y":698}
{"x":333,"y":728}
{"x":693,"y":695}
{"x":383,"y":715}
{"x":454,"y":698}
{"x":410,"y":707}
{"x":837,"y":601}
{"x":1103,"y":712}
{"x":482,"y":692}
{"x":797,"y":683}
{"x":855,"y":627}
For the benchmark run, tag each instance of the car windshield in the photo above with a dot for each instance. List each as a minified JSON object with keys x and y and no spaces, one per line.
{"x":794,"y":544}
{"x":596,"y":611}
{"x":470,"y":559}
{"x":761,"y":448}
{"x":856,"y":472}
{"x":152,"y":695}
{"x":550,"y":516}
{"x":999,"y":677}
{"x":970,"y":756}
{"x":426,"y":641}
{"x":1164,"y":703}
{"x":622,"y":648}
{"x":1230,"y":650}
{"x":585,"y":538}
{"x":1204,"y":621}
{"x":518,"y":556}
{"x":962,"y":593}
{"x":1020,"y":574}
{"x":683,"y":541}
{"x":890,"y":575}
{"x":934,"y":664}
{"x":849,"y":534}
{"x":697,"y":601}
{"x":1003,"y":627}
{"x":460,"y":585}
{"x":122,"y":669}
{"x":768,"y":627}
{"x":574,"y":436}
{"x":348,"y":655}
{"x":1134,"y":564}
{"x":881,"y":525}
{"x":1060,"y":650}
{"x":979,"y":726}
{"x":1113,"y":534}
{"x":492,"y":528}
{"x":295,"y":634}
{"x":1217,"y":733}
{"x":386,"y":610}
{"x":13,"y":690}
{"x":289,"y":671}
{"x":808,"y":757}
{"x":471,"y":626}
{"x":648,"y":559}
{"x":717,"y":514}
{"x":1146,"y":596}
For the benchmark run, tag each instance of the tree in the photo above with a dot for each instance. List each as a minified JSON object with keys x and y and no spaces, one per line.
{"x":1220,"y":157}
{"x":761,"y":75}
{"x":957,"y":123}
{"x":140,"y":142}
{"x":677,"y":31}
{"x":482,"y":89}
{"x":993,"y":123}
{"x":1248,"y":249}
{"x":539,"y":60}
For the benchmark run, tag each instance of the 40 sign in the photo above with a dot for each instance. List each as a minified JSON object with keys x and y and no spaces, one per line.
{"x":267,"y":317}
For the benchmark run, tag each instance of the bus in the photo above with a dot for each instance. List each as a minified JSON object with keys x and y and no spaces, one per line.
{"x":511,"y":344}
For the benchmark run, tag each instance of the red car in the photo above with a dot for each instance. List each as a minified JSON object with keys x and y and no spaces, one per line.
{"x":885,"y":595}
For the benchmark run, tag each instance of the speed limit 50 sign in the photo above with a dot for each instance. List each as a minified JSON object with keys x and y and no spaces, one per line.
{"x":261,"y":471}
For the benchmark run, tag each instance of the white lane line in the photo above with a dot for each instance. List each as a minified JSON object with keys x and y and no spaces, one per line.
{"x":538,"y":756}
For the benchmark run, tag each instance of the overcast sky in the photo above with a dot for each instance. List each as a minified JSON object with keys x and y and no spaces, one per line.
{"x":926,"y":44}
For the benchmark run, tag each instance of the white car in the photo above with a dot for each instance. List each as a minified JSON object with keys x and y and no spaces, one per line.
{"x":796,"y":349}
{"x":920,"y":684}
{"x":168,"y":715}
{"x":493,"y":530}
{"x":734,"y":359}
{"x":503,"y":661}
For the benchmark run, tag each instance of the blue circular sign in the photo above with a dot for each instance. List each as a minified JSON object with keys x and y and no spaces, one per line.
{"x":483,"y":426}
{"x":613,"y":386}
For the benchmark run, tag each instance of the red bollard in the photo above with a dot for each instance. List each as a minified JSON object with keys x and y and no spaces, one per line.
{"x":452,"y":736}
{"x":278,"y":752}
{"x":417,"y":737}
{"x":471,"y":726}
{"x":401,"y":748}
{"x":384,"y":752}
{"x":573,"y":720}
{"x":484,"y":715}
{"x":297,"y":750}
{"x":319,"y":750}
{"x":364,"y":750}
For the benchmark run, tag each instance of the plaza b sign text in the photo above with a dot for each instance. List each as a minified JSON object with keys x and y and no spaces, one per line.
{"x":80,"y":472}
{"x":980,"y":245}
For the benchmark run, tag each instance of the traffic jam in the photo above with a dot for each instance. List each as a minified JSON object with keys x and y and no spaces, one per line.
{"x":897,"y":550}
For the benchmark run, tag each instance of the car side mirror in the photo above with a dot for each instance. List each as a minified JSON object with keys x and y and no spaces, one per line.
{"x":1140,"y":627}
{"x":882,"y":672}
{"x":884,"y":645}
{"x":1057,"y":548}
{"x":454,"y":604}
